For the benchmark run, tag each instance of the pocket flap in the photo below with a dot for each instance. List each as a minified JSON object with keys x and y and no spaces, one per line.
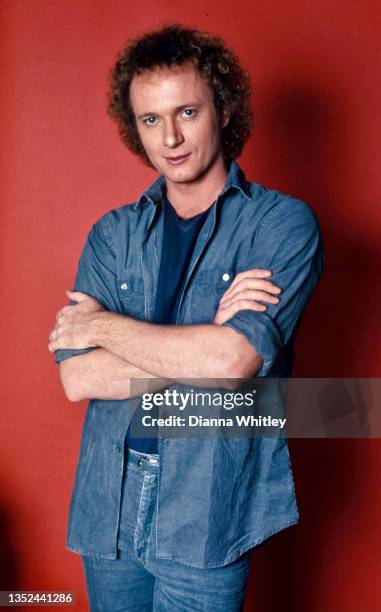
{"x":129,"y":286}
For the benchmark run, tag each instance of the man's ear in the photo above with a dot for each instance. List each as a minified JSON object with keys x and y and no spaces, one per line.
{"x":225,"y":118}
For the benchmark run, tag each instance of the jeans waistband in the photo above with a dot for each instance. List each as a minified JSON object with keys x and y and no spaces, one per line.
{"x":145,"y":461}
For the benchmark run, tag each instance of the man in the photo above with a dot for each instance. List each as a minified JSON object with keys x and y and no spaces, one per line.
{"x":178,"y":286}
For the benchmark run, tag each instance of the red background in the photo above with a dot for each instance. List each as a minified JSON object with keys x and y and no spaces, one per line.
{"x":315,"y":69}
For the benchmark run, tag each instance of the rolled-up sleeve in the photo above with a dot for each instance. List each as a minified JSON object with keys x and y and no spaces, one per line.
{"x":96,"y":276}
{"x":288,"y":243}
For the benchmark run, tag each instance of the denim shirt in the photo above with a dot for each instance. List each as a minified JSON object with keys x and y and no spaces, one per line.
{"x":218,"y":497}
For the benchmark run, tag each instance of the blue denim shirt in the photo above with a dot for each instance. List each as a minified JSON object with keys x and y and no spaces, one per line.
{"x":218,"y":497}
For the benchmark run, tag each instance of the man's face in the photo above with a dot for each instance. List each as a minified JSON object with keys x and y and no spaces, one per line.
{"x":177,"y":122}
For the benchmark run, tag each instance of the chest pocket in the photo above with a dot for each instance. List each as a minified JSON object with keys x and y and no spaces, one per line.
{"x":208,"y":287}
{"x":131,"y":295}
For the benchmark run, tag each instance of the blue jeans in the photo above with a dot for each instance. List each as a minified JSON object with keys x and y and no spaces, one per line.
{"x":137,"y":580}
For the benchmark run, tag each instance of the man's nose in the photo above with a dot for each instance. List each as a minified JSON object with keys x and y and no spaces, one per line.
{"x":172,"y":134}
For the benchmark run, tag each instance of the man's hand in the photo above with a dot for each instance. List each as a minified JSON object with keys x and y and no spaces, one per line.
{"x":246,"y":292}
{"x":72,"y":328}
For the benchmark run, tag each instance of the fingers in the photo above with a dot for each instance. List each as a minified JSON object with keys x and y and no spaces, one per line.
{"x":72,"y":324}
{"x":249,"y":294}
{"x":62,"y":311}
{"x":55,"y":345}
{"x":84,"y":301}
{"x":245,"y":304}
{"x":53,"y":335}
{"x":224,"y":313}
{"x":254,"y":278}
{"x":247,"y":291}
{"x":253,"y":273}
{"x":264,"y":287}
{"x":77,"y":296}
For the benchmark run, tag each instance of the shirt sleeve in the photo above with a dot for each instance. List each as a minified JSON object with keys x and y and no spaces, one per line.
{"x":96,"y":276}
{"x":288,"y":243}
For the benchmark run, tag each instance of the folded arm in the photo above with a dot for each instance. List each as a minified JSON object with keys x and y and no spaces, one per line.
{"x":242,"y":340}
{"x":129,"y":349}
{"x":101,"y":375}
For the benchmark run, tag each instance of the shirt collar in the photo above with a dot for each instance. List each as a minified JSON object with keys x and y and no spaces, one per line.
{"x":154,"y":193}
{"x":235,"y":180}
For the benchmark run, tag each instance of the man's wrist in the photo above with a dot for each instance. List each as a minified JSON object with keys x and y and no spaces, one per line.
{"x":102,"y":327}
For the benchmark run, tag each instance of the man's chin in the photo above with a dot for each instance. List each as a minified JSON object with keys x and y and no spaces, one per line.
{"x":180,"y":176}
{"x":183,"y":175}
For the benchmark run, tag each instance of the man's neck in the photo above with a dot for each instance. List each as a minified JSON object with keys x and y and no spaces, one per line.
{"x":189,"y":199}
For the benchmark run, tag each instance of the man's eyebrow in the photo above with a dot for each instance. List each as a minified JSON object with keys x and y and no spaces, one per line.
{"x":177,"y":110}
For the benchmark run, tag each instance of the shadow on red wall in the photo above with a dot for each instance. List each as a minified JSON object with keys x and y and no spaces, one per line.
{"x":10,"y":570}
{"x":307,"y":144}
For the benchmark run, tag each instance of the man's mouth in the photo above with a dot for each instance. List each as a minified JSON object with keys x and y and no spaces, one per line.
{"x":176,"y":160}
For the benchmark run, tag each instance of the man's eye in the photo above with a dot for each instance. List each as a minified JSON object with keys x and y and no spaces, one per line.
{"x":189,"y":112}
{"x":150,"y":121}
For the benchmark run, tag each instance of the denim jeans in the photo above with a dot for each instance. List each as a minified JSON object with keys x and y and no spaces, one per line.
{"x":137,"y":580}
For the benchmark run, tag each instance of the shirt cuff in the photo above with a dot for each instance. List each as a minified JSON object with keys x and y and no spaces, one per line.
{"x":261,"y":332}
{"x":63,"y":354}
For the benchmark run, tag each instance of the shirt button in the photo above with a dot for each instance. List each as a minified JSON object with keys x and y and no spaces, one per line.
{"x":225,"y":276}
{"x":124,"y":286}
{"x":118,"y":449}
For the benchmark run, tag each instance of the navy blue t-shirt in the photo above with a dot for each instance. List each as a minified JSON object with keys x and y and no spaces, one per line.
{"x":180,"y":236}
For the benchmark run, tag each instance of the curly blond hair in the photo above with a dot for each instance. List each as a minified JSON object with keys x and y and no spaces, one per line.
{"x":174,"y":45}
